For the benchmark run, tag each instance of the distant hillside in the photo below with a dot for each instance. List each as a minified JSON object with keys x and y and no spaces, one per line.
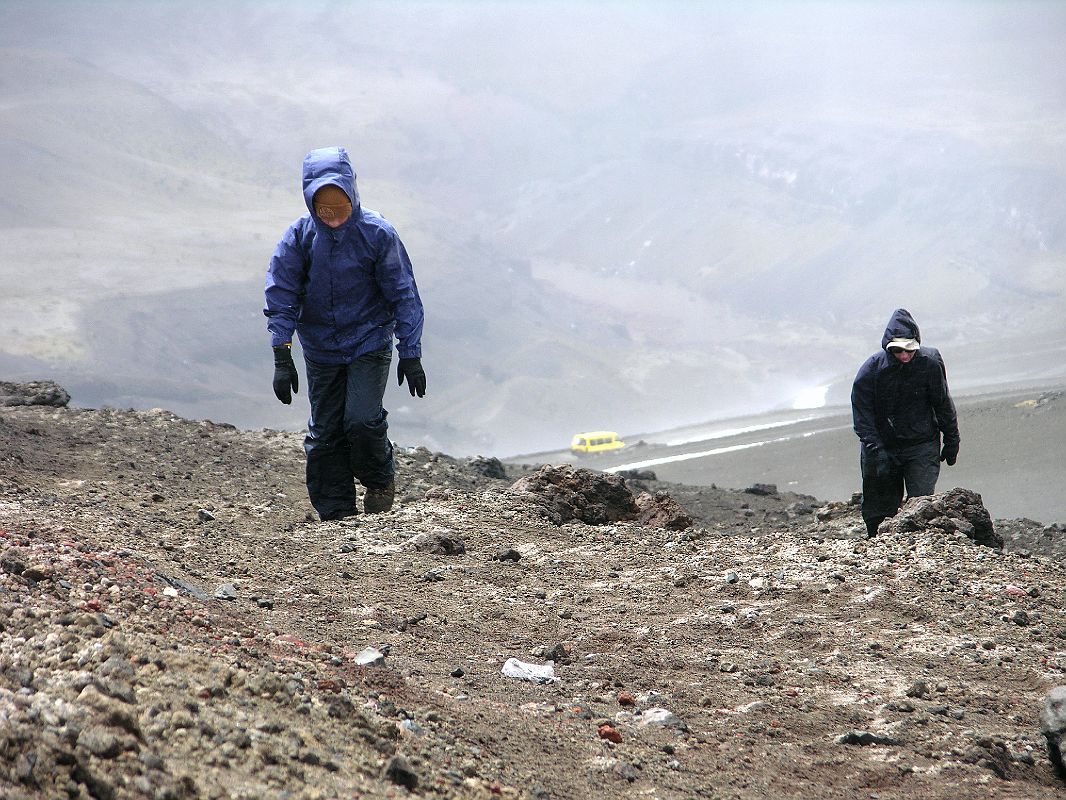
{"x":633,"y":220}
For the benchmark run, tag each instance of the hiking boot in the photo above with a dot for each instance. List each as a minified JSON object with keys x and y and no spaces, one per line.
{"x":333,"y":516}
{"x":379,"y":499}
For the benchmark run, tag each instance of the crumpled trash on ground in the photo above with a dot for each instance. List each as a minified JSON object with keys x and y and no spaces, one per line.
{"x":537,"y":673}
{"x":369,"y":657}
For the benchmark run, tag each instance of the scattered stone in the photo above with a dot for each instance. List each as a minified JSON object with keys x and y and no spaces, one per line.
{"x":762,"y":489}
{"x":662,"y":511}
{"x":624,"y":771}
{"x":100,"y":741}
{"x":440,"y":543}
{"x":610,"y":733}
{"x":865,"y":738}
{"x":203,"y":515}
{"x":187,"y":588}
{"x":507,"y":554}
{"x":902,"y":706}
{"x":226,"y":591}
{"x":37,"y":572}
{"x":562,"y":653}
{"x":13,"y":561}
{"x":1053,"y":726}
{"x":918,"y":689}
{"x":400,"y":772}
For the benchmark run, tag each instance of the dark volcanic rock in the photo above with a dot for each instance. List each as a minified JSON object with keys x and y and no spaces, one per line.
{"x":489,"y":467}
{"x":638,"y":474}
{"x":763,"y":489}
{"x":565,"y":493}
{"x":35,"y":393}
{"x":662,"y":511}
{"x":400,"y":772}
{"x":956,"y":510}
{"x":1053,"y":726}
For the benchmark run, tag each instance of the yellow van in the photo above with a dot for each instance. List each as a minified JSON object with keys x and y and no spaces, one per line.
{"x":596,"y":442}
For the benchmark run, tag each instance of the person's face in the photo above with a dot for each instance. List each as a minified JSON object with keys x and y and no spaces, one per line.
{"x":332,"y":207}
{"x":902,"y":356}
{"x":333,"y":216}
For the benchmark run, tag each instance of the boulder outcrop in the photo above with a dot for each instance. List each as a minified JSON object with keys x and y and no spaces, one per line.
{"x":959,"y":510}
{"x":35,"y":393}
{"x":564,"y":493}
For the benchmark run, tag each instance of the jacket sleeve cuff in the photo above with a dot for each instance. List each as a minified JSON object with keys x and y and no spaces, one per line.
{"x":410,"y":352}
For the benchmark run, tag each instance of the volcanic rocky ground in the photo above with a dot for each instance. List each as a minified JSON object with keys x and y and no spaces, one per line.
{"x":174,"y":623}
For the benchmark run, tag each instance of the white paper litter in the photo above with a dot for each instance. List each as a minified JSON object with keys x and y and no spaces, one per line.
{"x":537,"y":673}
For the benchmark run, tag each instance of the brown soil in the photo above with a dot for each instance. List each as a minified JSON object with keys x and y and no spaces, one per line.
{"x":792,"y":657}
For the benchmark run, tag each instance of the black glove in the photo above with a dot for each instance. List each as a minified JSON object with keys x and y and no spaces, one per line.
{"x":950,"y":453}
{"x":285,"y":375}
{"x":883,"y":463}
{"x":411,"y":368}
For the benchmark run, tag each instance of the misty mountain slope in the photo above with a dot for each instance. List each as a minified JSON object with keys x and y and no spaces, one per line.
{"x":718,"y":204}
{"x":112,"y":189}
{"x":98,"y":146}
{"x":817,"y":220}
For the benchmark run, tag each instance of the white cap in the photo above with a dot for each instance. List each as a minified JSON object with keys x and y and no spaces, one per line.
{"x":903,"y":344}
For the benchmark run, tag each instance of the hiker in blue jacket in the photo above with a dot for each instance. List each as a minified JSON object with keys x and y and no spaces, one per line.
{"x":900,"y":407}
{"x":341,"y":279}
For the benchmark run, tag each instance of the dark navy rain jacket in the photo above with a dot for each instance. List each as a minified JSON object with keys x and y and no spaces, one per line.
{"x":896,"y":405}
{"x":345,"y":291}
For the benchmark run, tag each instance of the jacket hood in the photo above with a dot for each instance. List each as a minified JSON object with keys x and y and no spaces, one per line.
{"x":329,"y":165}
{"x":901,"y":326}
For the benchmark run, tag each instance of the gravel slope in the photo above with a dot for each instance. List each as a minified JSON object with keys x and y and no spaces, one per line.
{"x":767,"y":651}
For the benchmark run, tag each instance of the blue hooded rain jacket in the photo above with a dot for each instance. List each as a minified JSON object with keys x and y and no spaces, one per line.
{"x":345,"y":291}
{"x":896,"y":405}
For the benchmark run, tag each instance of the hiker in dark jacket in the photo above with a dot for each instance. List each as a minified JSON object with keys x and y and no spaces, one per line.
{"x":901,"y":407}
{"x":341,"y":279}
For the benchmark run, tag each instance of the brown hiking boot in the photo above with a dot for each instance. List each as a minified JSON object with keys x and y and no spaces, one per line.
{"x":378,"y":500}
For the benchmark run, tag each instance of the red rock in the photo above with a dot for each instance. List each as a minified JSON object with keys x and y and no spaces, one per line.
{"x":626,"y":699}
{"x":609,"y":733}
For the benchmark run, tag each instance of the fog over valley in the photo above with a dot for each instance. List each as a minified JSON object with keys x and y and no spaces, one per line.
{"x":634,"y":216}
